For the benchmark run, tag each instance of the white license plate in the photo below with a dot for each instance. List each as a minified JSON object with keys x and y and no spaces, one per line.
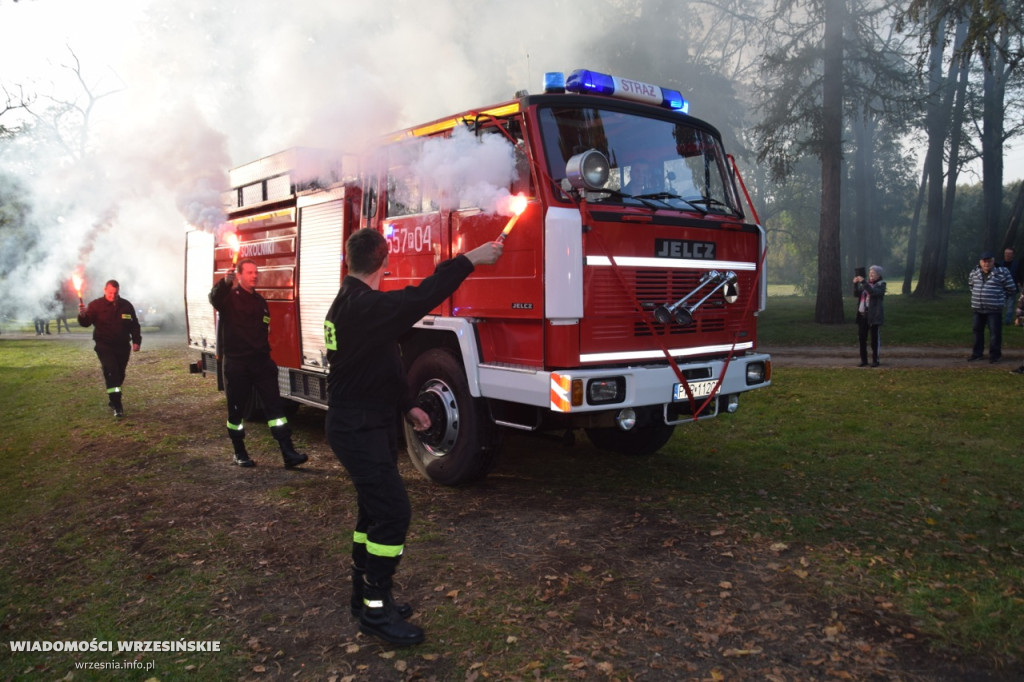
{"x":699,"y":389}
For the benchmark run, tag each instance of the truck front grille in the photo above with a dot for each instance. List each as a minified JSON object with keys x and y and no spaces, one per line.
{"x":613,"y":314}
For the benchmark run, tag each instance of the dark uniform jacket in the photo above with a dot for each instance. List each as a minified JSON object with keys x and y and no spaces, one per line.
{"x":361,"y":333}
{"x":114,"y":322}
{"x":244,"y":320}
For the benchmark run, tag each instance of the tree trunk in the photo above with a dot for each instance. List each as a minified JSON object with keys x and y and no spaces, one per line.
{"x":862,"y":193}
{"x":994,"y":90}
{"x":1016,"y":215}
{"x":828,"y":307}
{"x":937,"y":118}
{"x":908,"y":276}
{"x":956,"y":133}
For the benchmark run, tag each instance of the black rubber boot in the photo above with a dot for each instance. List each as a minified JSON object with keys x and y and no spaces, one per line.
{"x":238,"y":443}
{"x":358,"y":582}
{"x":380,"y":617}
{"x":115,"y":403}
{"x":283,"y":435}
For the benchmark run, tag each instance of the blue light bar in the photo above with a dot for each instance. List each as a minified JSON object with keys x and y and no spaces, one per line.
{"x":554,"y":81}
{"x":582,"y":80}
{"x":592,"y":82}
{"x":674,"y":100}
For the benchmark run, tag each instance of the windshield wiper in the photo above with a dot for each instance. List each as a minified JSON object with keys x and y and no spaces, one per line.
{"x":643,"y":199}
{"x":662,"y":196}
{"x":709,"y":202}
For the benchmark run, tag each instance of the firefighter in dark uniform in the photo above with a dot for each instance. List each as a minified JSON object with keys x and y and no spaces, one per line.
{"x":245,"y":348}
{"x":367,"y":391}
{"x":116,"y":334}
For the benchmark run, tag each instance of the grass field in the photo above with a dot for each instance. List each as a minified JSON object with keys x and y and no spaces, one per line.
{"x":896,"y":490}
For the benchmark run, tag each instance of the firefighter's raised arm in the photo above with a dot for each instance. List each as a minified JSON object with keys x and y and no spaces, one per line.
{"x":221,"y":289}
{"x":485,"y":254}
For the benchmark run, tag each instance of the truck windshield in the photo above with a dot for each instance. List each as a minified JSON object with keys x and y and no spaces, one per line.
{"x":655,"y":162}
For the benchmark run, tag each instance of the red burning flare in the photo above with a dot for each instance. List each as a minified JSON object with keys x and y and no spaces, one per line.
{"x":236,"y":246}
{"x":516,"y":204}
{"x":76,"y":282}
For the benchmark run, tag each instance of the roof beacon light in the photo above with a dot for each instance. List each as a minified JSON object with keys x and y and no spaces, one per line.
{"x":554,"y":81}
{"x":592,"y":82}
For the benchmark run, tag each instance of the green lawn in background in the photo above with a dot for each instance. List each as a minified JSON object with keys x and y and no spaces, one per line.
{"x":942,"y":322}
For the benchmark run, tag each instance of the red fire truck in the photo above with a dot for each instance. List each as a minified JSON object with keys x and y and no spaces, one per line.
{"x":625,"y":302}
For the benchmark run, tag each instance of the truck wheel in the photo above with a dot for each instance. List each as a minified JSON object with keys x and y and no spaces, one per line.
{"x":461,"y":444}
{"x":643,"y":440}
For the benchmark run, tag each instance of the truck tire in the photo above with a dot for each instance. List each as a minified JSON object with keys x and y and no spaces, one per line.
{"x":461,"y":444}
{"x":640,"y":441}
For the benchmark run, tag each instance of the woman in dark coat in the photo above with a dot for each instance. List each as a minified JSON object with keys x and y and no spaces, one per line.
{"x":870,"y":312}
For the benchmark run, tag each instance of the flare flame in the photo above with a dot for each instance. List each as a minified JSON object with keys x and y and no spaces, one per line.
{"x":517,"y":204}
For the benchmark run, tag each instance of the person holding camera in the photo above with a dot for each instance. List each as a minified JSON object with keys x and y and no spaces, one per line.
{"x":870,"y":294}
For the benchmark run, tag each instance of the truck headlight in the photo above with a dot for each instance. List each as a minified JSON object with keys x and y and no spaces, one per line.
{"x":755,"y":373}
{"x":606,"y":390}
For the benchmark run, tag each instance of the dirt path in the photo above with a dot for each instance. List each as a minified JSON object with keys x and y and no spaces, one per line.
{"x":891,"y":358}
{"x":790,"y":356}
{"x":833,"y":357}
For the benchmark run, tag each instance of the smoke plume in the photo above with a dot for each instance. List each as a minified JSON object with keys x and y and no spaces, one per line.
{"x":163,"y":98}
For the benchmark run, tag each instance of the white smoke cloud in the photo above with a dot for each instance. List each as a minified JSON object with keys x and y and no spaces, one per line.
{"x":192,"y":89}
{"x":467,"y":171}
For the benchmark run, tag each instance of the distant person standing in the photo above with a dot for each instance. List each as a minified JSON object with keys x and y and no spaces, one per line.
{"x":42,"y":319}
{"x":870,"y":312}
{"x":990,"y":286}
{"x":248,"y":367}
{"x":1019,"y":321}
{"x":61,"y":312}
{"x":116,"y":334}
{"x":1013,"y":265}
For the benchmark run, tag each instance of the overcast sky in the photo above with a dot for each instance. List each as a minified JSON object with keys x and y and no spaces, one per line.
{"x":198,"y":87}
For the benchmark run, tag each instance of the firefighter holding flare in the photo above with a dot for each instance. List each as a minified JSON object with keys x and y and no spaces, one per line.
{"x":248,"y":367}
{"x":367,"y":390}
{"x":116,"y":333}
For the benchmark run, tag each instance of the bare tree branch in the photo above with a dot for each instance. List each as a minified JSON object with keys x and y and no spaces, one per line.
{"x":66,"y":118}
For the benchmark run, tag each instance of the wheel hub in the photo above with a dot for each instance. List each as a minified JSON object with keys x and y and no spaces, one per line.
{"x":438,"y":401}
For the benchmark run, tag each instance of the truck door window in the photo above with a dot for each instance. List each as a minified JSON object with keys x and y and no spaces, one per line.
{"x":409,"y":194}
{"x":405,"y":195}
{"x":521,"y":181}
